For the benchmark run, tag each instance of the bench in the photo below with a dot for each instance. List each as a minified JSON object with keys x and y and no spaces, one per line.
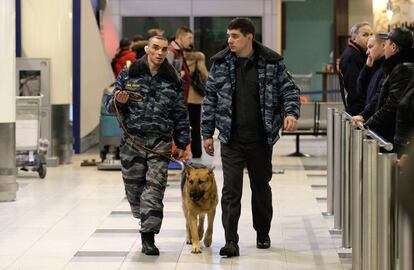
{"x":312,"y":122}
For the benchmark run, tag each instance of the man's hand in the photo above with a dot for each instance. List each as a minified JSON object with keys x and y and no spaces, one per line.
{"x":209,"y":146}
{"x":121,"y":96}
{"x":179,"y":153}
{"x":370,"y":61}
{"x":290,"y":123}
{"x":358,"y":118}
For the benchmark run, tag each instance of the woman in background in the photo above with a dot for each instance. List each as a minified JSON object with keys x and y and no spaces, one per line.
{"x":195,"y":60}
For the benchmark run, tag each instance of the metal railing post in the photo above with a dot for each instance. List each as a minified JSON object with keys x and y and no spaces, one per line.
{"x":405,"y":240}
{"x":386,"y":177}
{"x":346,"y":184}
{"x":356,"y":207}
{"x":330,"y":161}
{"x":369,"y":205}
{"x":337,"y":171}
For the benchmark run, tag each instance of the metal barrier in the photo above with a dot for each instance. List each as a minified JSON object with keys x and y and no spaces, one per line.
{"x":362,"y":179}
{"x":330,"y":165}
{"x":369,"y":205}
{"x":337,"y":170}
{"x":356,"y":198}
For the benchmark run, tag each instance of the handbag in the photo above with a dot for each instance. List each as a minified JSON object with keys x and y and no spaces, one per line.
{"x":197,"y":82}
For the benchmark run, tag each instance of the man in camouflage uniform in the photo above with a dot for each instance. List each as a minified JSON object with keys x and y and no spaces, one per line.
{"x":249,"y":96}
{"x":149,"y":95}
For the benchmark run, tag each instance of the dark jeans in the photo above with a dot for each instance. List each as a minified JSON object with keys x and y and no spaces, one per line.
{"x":258,"y":159}
{"x":194,"y":112}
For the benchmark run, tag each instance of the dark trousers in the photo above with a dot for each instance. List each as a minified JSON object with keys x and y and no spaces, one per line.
{"x":194,"y":113}
{"x":258,"y":159}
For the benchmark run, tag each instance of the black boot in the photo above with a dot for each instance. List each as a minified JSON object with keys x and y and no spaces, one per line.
{"x":148,"y":245}
{"x":231,"y":249}
{"x":263,"y":241}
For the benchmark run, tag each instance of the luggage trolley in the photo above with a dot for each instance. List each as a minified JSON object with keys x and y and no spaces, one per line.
{"x":30,"y":148}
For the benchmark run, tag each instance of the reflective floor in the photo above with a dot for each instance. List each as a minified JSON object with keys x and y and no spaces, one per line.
{"x":78,"y":218}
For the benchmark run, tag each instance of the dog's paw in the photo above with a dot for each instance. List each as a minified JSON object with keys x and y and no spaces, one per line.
{"x":196,"y":249}
{"x":188,"y":242}
{"x":207,"y":241}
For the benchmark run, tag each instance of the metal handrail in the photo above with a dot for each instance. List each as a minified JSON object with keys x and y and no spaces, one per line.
{"x":381,"y":141}
{"x":29,"y":97}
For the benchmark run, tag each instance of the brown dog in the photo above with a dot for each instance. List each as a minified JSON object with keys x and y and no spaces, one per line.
{"x":199,"y":194}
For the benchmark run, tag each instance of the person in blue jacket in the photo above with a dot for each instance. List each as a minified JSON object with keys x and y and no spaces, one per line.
{"x":149,"y":96}
{"x":249,"y":97}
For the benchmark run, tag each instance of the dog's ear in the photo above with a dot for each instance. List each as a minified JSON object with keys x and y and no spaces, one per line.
{"x":189,"y":169}
{"x":211,"y":169}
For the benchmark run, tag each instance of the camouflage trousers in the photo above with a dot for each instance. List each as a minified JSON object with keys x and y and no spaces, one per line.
{"x":145,"y":178}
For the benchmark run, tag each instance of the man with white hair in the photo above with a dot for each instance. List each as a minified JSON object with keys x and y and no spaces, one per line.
{"x":351,"y":63}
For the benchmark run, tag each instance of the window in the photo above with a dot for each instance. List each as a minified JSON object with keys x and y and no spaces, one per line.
{"x":132,"y":26}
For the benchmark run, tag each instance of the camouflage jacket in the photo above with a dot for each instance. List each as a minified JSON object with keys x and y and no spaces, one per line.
{"x":161,"y":111}
{"x":279,"y":96}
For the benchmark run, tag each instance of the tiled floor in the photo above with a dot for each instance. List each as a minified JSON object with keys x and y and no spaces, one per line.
{"x":77,"y":218}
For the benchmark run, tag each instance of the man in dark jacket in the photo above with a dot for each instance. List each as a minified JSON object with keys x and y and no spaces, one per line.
{"x":404,"y":130}
{"x":398,"y":69}
{"x":249,"y":97}
{"x":370,"y":77}
{"x":149,"y":97}
{"x":351,"y":63}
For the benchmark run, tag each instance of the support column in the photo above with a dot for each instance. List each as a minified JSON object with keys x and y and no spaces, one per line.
{"x":49,"y":23}
{"x":8,"y":185}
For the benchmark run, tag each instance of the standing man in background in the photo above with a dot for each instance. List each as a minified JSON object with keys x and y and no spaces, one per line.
{"x":249,"y":97}
{"x":370,"y":78}
{"x":183,"y":41}
{"x":398,"y":69}
{"x":351,"y":63}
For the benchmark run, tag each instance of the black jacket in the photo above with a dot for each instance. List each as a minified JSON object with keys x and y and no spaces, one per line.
{"x":398,"y":70}
{"x":369,"y":85}
{"x":404,"y":130}
{"x":351,"y":63}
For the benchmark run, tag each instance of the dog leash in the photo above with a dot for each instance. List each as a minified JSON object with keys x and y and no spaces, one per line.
{"x":134,"y":96}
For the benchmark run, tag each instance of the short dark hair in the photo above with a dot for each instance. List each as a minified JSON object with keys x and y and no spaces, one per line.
{"x":245,"y":25}
{"x":124,"y":43}
{"x":182,"y":30}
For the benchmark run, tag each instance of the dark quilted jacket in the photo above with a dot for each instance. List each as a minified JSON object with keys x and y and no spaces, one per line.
{"x":161,"y":112}
{"x":398,"y":70}
{"x":279,"y":96}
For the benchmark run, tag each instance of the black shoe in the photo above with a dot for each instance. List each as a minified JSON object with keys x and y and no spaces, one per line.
{"x":231,"y":249}
{"x":263,"y":242}
{"x":148,"y":245}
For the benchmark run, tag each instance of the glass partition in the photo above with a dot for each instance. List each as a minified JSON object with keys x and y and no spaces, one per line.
{"x":132,"y":26}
